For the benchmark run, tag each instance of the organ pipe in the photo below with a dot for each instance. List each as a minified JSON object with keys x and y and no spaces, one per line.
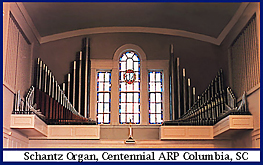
{"x":172,"y":82}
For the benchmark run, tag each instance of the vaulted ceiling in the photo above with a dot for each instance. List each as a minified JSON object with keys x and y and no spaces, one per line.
{"x":208,"y":19}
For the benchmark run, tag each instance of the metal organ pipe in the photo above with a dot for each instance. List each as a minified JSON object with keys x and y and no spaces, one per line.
{"x":178,"y":89}
{"x":172,"y":82}
{"x":79,"y":85}
{"x":184,"y":92}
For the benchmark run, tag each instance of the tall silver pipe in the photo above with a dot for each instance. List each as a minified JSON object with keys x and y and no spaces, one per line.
{"x":56,"y":90}
{"x":68,"y":86}
{"x":178,"y":89}
{"x":59,"y":94}
{"x":184,"y":91}
{"x":189,"y":94}
{"x":74,"y":83}
{"x":63,"y":87}
{"x":194,"y":92}
{"x":53,"y":87}
{"x":45,"y":83}
{"x":86,"y":86}
{"x":172,"y":81}
{"x":50,"y":84}
{"x":37,"y":72}
{"x":40,"y":75}
{"x":79,"y":85}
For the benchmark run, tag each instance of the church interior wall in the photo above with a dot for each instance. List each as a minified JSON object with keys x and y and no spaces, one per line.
{"x":250,"y":138}
{"x":201,"y":60}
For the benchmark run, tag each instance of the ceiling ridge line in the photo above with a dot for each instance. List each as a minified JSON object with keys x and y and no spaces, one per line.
{"x":120,"y":29}
{"x":232,"y":22}
{"x":29,"y":20}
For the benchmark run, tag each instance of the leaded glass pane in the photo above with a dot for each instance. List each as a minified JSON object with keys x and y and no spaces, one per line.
{"x":152,"y":87}
{"x":123,"y":86}
{"x":123,"y":118}
{"x":129,"y":107}
{"x":136,"y":97}
{"x":100,"y":107}
{"x":121,"y":76}
{"x":100,"y":87}
{"x":159,"y":119}
{"x":158,"y":76}
{"x":135,"y":58}
{"x":129,"y":118}
{"x":136,"y":108}
{"x":129,"y":87}
{"x":159,"y":108}
{"x":101,"y":76}
{"x":124,"y":58}
{"x":129,"y":54}
{"x":107,"y":87}
{"x":123,"y":97}
{"x":152,"y":107}
{"x":136,"y":65}
{"x":158,"y":97}
{"x":123,"y":107}
{"x":129,"y":64}
{"x":100,"y":97}
{"x":106,"y":107}
{"x":123,"y":66}
{"x":106,"y":97}
{"x":130,"y":97}
{"x":106,"y":118}
{"x":158,"y":87}
{"x":152,"y":76}
{"x":152,"y":97}
{"x":136,"y":86}
{"x":137,"y":76}
{"x":107,"y":77}
{"x":152,"y":118}
{"x":100,"y":118}
{"x":136,"y":118}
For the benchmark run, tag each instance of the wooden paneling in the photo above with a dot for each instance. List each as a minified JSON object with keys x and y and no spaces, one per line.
{"x":227,"y":127}
{"x":30,"y":125}
{"x":186,"y":132}
{"x":13,"y":139}
{"x":73,"y":132}
{"x":234,"y":122}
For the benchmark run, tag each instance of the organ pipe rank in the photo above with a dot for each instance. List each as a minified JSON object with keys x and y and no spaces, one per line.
{"x":68,"y":103}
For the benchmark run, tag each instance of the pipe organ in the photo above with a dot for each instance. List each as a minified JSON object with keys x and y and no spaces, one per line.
{"x":215,"y":102}
{"x":68,"y":102}
{"x":60,"y":104}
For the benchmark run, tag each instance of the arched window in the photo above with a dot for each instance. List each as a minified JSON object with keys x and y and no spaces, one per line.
{"x":129,"y":88}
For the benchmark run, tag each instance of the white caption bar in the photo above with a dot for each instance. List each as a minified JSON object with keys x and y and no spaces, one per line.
{"x":130,"y":155}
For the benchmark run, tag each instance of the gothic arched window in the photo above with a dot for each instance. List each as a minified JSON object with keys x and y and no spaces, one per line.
{"x":129,"y":88}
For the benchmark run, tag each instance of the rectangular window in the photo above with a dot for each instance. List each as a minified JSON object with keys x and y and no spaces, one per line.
{"x":155,"y":97}
{"x":103,"y":97}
